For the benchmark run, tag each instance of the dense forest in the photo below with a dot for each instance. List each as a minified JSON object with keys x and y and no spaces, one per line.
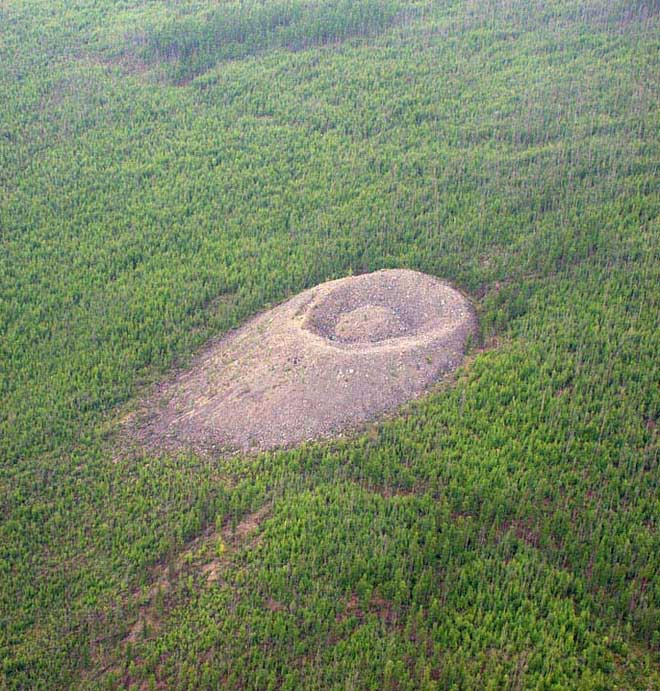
{"x":167,"y":170}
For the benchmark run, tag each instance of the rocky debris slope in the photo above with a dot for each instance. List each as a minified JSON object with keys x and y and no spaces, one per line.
{"x":331,"y":358}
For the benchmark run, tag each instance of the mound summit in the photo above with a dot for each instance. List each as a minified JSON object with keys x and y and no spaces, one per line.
{"x":330,"y":358}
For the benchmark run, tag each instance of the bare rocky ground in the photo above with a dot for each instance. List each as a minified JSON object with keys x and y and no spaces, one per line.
{"x":331,"y":358}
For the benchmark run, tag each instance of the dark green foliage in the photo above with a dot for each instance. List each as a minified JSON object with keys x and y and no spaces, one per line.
{"x":503,"y":532}
{"x":194,"y":43}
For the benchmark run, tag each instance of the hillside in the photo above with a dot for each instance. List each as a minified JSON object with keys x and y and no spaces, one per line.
{"x":323,"y":363}
{"x":169,"y":170}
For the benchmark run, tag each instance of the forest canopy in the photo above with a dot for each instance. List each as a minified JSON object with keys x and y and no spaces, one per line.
{"x":167,"y":171}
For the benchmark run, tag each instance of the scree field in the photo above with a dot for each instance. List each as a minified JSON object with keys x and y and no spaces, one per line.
{"x":168,"y":170}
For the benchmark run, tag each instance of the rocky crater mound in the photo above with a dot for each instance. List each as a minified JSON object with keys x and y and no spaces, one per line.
{"x":331,"y":358}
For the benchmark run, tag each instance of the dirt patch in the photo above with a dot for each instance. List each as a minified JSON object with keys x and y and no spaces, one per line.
{"x":382,"y":608}
{"x":227,"y":540}
{"x":331,"y":358}
{"x":206,"y":555}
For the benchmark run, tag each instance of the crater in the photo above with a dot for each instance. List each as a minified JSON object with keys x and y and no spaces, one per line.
{"x":329,"y":359}
{"x":369,"y":324}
